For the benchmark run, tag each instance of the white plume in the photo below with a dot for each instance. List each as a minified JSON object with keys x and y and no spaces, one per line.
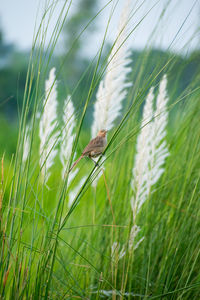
{"x":132,"y":245}
{"x":67,"y":138}
{"x":159,"y":148}
{"x":151,"y":150}
{"x":117,"y":252}
{"x":140,"y":183}
{"x":111,"y":90}
{"x":48,"y":132}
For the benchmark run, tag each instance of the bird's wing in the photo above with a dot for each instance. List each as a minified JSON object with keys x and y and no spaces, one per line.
{"x":93,"y":145}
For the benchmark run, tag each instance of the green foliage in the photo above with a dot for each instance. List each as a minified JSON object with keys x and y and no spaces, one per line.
{"x":51,"y":251}
{"x":71,"y":249}
{"x":13,"y":68}
{"x":8,"y":137}
{"x":12,"y":89}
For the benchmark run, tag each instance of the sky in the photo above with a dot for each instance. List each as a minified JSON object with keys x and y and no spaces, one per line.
{"x":18,"y":17}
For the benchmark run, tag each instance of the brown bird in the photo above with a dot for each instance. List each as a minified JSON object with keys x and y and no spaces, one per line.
{"x":95,"y":147}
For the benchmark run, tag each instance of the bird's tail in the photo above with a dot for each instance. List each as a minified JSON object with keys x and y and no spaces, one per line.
{"x":75,"y":163}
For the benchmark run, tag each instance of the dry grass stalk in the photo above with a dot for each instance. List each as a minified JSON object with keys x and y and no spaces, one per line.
{"x":6,"y":276}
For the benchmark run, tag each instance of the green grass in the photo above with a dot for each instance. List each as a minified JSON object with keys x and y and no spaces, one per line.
{"x":165,"y":263}
{"x":50,"y":251}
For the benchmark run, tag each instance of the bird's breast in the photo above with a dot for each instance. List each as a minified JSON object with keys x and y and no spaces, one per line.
{"x":104,"y":141}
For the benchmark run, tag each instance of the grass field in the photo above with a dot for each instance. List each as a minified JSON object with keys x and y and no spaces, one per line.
{"x":73,"y":239}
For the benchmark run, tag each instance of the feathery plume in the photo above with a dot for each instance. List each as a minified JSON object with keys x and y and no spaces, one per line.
{"x":151,"y":147}
{"x":119,"y":251}
{"x":48,"y":133}
{"x":111,"y":90}
{"x":140,"y":184}
{"x":116,"y":252}
{"x":115,"y":247}
{"x":151,"y":152}
{"x":159,"y":148}
{"x":67,"y":138}
{"x":134,"y":232}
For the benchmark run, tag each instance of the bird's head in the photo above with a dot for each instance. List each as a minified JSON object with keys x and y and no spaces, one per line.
{"x":102,"y":132}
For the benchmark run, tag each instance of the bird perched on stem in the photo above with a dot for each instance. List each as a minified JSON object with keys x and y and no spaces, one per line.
{"x":95,"y":147}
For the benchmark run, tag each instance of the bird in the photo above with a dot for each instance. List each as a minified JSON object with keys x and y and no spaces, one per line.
{"x":95,"y":147}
